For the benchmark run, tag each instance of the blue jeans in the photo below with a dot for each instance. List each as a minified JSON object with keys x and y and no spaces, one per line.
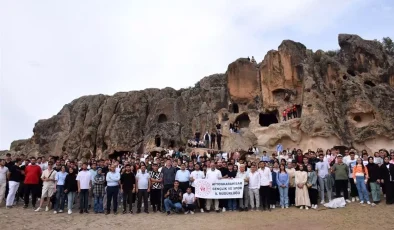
{"x":284,"y":196}
{"x":232,"y":204}
{"x":98,"y":203}
{"x":169,"y":204}
{"x":59,"y":204}
{"x":362,"y":188}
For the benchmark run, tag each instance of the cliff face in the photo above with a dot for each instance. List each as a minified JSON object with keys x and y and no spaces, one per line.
{"x":345,"y":100}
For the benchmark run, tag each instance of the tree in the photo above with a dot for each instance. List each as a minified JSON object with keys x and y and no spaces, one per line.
{"x":388,"y":45}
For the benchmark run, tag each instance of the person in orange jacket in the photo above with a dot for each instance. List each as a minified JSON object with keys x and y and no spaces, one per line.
{"x":360,"y":176}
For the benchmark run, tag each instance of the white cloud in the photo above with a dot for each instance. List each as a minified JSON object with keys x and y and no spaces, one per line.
{"x":55,"y":51}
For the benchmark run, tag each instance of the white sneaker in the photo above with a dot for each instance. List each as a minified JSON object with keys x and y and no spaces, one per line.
{"x":273,"y":206}
{"x":54,"y":212}
{"x":186,"y":212}
{"x":368,"y":202}
{"x":357,"y":198}
{"x":287,"y":206}
{"x":46,"y":209}
{"x":373,"y":204}
{"x":301,"y":207}
{"x":60,"y":211}
{"x":191,"y":212}
{"x":283,"y":207}
{"x":361,"y":202}
{"x":322,"y":202}
{"x":224,"y":209}
{"x":38,"y":209}
{"x":315,"y":206}
{"x":348,"y":201}
{"x":306,"y":208}
{"x":353,"y":199}
{"x":70,"y":212}
{"x":202,"y":210}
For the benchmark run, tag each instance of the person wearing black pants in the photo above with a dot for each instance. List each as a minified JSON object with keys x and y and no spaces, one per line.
{"x":168,"y":173}
{"x":341,"y":171}
{"x":127,"y":185}
{"x":112,"y":179}
{"x":219,"y":141}
{"x":156,"y":178}
{"x":34,"y":190}
{"x":83,"y":200}
{"x":266,"y":184}
{"x":143,"y":185}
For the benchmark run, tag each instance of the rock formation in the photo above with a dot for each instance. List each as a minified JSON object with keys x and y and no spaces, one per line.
{"x":342,"y":100}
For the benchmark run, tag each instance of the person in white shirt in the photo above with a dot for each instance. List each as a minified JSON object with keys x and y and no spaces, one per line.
{"x":213,"y":174}
{"x":84,"y":180}
{"x":4,"y":171}
{"x":351,"y":163}
{"x":265,"y":184}
{"x":254,"y":186}
{"x":143,"y":185}
{"x":112,"y":178}
{"x":188,"y":201}
{"x":244,"y":201}
{"x":197,"y":174}
{"x":48,"y":188}
{"x":183,"y":176}
{"x":324,"y":178}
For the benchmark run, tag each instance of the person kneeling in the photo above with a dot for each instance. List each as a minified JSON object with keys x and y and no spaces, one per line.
{"x":188,"y":201}
{"x":173,"y":199}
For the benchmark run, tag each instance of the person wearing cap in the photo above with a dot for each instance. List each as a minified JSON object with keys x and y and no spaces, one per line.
{"x":341,"y":171}
{"x":98,"y":190}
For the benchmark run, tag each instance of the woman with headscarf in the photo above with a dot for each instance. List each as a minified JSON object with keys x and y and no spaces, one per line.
{"x":387,"y":178}
{"x":373,"y":181}
{"x":302,"y":196}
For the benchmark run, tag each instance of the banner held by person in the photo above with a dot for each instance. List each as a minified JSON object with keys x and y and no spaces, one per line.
{"x":219,"y":189}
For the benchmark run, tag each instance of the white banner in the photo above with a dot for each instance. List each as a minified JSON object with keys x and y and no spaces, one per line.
{"x":219,"y":189}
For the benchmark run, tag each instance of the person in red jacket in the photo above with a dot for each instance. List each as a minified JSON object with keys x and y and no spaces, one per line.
{"x":32,"y":180}
{"x":284,"y":115}
{"x":289,"y":113}
{"x":294,"y":111}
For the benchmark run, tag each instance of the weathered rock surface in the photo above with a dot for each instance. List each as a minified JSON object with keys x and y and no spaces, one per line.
{"x":345,"y":100}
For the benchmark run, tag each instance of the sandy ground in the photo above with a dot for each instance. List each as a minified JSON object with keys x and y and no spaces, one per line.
{"x":354,"y":216}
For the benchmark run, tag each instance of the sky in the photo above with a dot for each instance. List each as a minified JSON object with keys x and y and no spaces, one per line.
{"x":53,"y":51}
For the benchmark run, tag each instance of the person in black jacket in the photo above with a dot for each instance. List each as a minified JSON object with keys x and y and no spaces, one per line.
{"x":387,"y":177}
{"x":219,"y":141}
{"x":213,"y":139}
{"x":71,"y":187}
{"x":373,"y":181}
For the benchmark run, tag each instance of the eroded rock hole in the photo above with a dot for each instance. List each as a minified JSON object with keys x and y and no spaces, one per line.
{"x":117,"y":154}
{"x":243,"y":120}
{"x":333,"y":92}
{"x":266,"y":119}
{"x":351,"y":72}
{"x":310,"y":105}
{"x":344,"y":77}
{"x":370,"y":83}
{"x":357,"y":118}
{"x":157,"y":141}
{"x":162,"y":118}
{"x":234,"y":108}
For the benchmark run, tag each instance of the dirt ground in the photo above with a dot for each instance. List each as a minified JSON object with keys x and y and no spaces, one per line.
{"x":354,"y":216}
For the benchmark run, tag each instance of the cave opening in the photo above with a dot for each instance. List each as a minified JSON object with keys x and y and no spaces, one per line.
{"x":117,"y":154}
{"x":157,"y":141}
{"x":370,"y":83}
{"x":357,"y":118}
{"x":162,"y":118}
{"x":235,"y":108}
{"x":344,"y":77}
{"x":266,"y":119}
{"x":351,"y":72}
{"x":172,"y":144}
{"x":243,"y":120}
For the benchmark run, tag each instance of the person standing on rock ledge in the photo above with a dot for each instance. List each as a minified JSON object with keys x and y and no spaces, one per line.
{"x":213,"y":139}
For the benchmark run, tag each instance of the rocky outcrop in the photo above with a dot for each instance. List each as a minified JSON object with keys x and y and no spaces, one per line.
{"x":342,"y":100}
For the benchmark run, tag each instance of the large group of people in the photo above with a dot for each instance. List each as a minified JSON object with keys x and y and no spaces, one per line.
{"x":165,"y":182}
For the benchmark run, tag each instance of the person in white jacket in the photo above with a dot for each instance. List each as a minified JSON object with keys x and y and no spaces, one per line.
{"x":254,"y":186}
{"x":265,"y":184}
{"x":213,"y":174}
